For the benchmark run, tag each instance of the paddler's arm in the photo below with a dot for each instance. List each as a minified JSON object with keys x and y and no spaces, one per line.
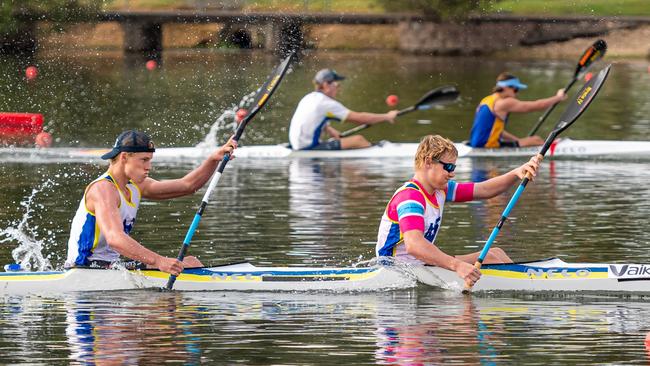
{"x":332,"y":132}
{"x":513,"y":105}
{"x":507,"y":136}
{"x":422,"y":249}
{"x":498,"y":185}
{"x":102,"y":198}
{"x":191,"y":182}
{"x":371,"y":118}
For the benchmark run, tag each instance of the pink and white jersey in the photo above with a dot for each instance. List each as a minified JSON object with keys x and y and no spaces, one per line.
{"x":412,"y":208}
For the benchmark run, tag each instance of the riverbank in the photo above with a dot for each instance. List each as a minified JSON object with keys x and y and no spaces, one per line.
{"x":623,"y":43}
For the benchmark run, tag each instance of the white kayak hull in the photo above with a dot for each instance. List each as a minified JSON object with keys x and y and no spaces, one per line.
{"x":564,"y":148}
{"x":549,"y":275}
{"x":235,"y":277}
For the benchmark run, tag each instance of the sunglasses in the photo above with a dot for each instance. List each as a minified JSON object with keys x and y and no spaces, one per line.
{"x":448,"y":167}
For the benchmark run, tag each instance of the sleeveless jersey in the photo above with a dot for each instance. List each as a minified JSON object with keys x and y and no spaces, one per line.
{"x":87,"y":242}
{"x":412,"y":208}
{"x":487,"y":127}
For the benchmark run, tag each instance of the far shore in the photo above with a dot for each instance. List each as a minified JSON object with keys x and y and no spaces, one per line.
{"x":624,"y":43}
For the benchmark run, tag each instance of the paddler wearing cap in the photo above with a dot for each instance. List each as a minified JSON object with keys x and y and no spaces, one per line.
{"x":493,"y":111}
{"x":315,"y":111}
{"x":100,"y":229}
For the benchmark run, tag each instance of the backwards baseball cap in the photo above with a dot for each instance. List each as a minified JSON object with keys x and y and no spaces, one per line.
{"x":327,"y":76}
{"x":130,"y":141}
{"x":511,"y":83}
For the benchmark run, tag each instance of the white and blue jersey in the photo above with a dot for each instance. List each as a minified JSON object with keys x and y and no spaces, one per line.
{"x":313,"y":113}
{"x":412,"y":208}
{"x":87,"y":243}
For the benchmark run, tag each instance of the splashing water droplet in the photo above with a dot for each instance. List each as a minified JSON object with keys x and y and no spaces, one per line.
{"x":28,"y":253}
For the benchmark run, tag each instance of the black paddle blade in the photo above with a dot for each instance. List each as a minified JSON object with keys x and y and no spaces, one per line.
{"x":582,"y":100}
{"x":441,"y":95}
{"x":595,"y":52}
{"x":265,"y":92}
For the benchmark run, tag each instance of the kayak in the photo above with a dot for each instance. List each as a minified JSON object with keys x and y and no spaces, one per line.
{"x":564,"y":148}
{"x":546,"y":275}
{"x":232,"y":277}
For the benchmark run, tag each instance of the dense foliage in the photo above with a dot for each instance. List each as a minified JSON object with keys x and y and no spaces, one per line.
{"x":14,"y":14}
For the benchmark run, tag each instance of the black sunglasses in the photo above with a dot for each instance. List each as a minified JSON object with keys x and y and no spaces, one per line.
{"x":448,"y":167}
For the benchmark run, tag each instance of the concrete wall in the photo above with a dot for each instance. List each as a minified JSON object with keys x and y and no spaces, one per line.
{"x":492,"y":34}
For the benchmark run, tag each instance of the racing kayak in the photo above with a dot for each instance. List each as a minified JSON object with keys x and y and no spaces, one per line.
{"x":231,"y":277}
{"x":563,"y":148}
{"x":531,"y":277}
{"x":547,"y":275}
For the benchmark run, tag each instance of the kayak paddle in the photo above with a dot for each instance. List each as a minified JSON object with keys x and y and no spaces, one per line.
{"x":595,"y":52}
{"x":262,"y":96}
{"x":438,"y":96}
{"x":571,"y":114}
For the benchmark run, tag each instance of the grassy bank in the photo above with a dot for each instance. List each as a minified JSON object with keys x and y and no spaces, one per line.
{"x":521,"y":7}
{"x":576,"y":7}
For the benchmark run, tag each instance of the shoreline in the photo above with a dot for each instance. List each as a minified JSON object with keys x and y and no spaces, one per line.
{"x":108,"y":37}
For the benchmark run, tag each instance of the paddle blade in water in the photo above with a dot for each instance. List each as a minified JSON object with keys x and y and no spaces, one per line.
{"x":582,"y":100}
{"x":441,"y":95}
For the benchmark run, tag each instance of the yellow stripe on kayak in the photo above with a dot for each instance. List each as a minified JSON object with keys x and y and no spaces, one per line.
{"x":544,"y":275}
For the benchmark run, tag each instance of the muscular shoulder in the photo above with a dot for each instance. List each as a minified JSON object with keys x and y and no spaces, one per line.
{"x":505,"y":104}
{"x":103,"y":191}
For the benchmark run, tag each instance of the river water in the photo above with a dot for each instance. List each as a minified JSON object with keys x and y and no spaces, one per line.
{"x":322,"y":212}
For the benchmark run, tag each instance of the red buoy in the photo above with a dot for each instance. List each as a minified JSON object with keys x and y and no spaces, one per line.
{"x":241,"y":114}
{"x":31,"y":72}
{"x":392,"y":100}
{"x":588,"y":76}
{"x":43,"y":139}
{"x":151,"y":65}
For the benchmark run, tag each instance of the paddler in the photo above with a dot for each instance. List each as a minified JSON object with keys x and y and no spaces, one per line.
{"x":412,"y":218}
{"x":99,"y":233}
{"x":315,"y":111}
{"x":493,"y":111}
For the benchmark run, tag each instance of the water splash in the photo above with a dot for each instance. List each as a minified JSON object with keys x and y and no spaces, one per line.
{"x":225,"y":124}
{"x":29,"y":253}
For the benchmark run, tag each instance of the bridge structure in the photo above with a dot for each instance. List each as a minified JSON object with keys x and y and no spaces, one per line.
{"x":282,"y":32}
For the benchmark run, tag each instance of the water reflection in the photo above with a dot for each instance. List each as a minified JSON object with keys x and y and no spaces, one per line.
{"x":420,"y":326}
{"x":155,"y":331}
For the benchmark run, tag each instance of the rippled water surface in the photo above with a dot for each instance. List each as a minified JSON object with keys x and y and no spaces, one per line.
{"x":323,"y":212}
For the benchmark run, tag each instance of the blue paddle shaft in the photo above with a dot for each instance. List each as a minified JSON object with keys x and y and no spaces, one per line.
{"x":504,"y":217}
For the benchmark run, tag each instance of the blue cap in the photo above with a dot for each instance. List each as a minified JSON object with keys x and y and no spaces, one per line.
{"x":511,"y":83}
{"x":130,"y":141}
{"x":327,"y":76}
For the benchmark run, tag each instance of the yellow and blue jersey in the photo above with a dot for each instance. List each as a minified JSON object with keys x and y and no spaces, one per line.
{"x":487,"y":127}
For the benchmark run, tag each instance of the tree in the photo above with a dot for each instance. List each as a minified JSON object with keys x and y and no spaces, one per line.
{"x":17,"y":19}
{"x":439,"y":9}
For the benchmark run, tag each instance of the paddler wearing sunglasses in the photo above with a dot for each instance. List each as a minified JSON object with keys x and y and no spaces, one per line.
{"x":412,"y":218}
{"x":491,"y":117}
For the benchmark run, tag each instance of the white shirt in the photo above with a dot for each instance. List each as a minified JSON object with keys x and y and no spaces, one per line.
{"x":87,"y":242}
{"x":313,"y":113}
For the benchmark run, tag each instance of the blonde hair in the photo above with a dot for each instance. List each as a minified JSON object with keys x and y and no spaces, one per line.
{"x":433,"y":146}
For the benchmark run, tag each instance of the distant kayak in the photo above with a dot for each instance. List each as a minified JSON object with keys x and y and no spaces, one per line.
{"x":564,"y":148}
